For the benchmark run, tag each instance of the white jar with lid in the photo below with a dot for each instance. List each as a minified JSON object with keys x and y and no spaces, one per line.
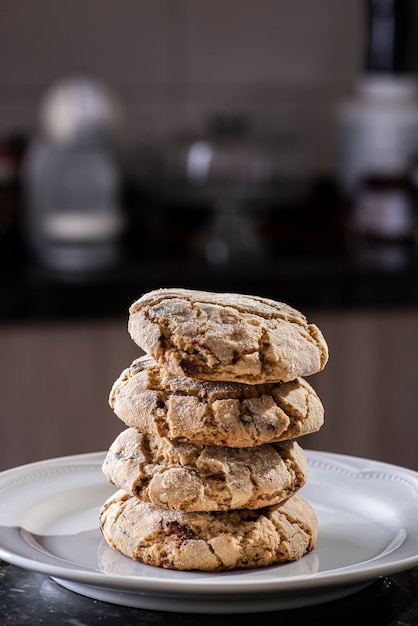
{"x":378,"y":141}
{"x":377,"y":129}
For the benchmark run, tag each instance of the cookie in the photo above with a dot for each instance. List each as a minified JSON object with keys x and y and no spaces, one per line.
{"x":114,"y":563}
{"x":209,"y":541}
{"x":189,"y":477}
{"x":226,"y":337}
{"x":231,"y":414}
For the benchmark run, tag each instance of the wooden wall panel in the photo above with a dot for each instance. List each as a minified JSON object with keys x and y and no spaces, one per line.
{"x":55,"y":380}
{"x":370,"y":385}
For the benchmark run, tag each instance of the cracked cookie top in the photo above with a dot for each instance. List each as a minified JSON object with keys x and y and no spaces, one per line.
{"x":151,"y":399}
{"x":209,"y":541}
{"x":226,"y":337}
{"x":192,"y":477}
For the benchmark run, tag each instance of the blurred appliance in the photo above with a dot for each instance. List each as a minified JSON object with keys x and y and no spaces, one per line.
{"x":224,"y":180}
{"x":72,"y":180}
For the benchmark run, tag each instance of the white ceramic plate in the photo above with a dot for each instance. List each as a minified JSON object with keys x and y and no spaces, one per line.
{"x":368,"y":527}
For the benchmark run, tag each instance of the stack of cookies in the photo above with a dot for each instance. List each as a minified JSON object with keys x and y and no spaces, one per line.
{"x":209,"y":467}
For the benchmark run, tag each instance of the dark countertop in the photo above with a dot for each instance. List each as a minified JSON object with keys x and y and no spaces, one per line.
{"x":305,"y":280}
{"x":304,"y":256}
{"x":30,"y":598}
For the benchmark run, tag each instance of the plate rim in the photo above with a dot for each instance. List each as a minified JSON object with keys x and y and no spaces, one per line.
{"x":213,"y":583}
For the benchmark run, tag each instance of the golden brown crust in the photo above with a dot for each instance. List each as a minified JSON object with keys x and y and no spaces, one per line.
{"x":226,"y":337}
{"x":230,"y":414}
{"x":189,"y":477}
{"x":209,"y":541}
{"x":209,"y":471}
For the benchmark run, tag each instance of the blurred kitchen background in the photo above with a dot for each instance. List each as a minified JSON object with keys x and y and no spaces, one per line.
{"x":265,"y":147}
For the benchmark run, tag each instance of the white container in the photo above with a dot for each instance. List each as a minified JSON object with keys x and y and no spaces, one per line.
{"x":377,"y":131}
